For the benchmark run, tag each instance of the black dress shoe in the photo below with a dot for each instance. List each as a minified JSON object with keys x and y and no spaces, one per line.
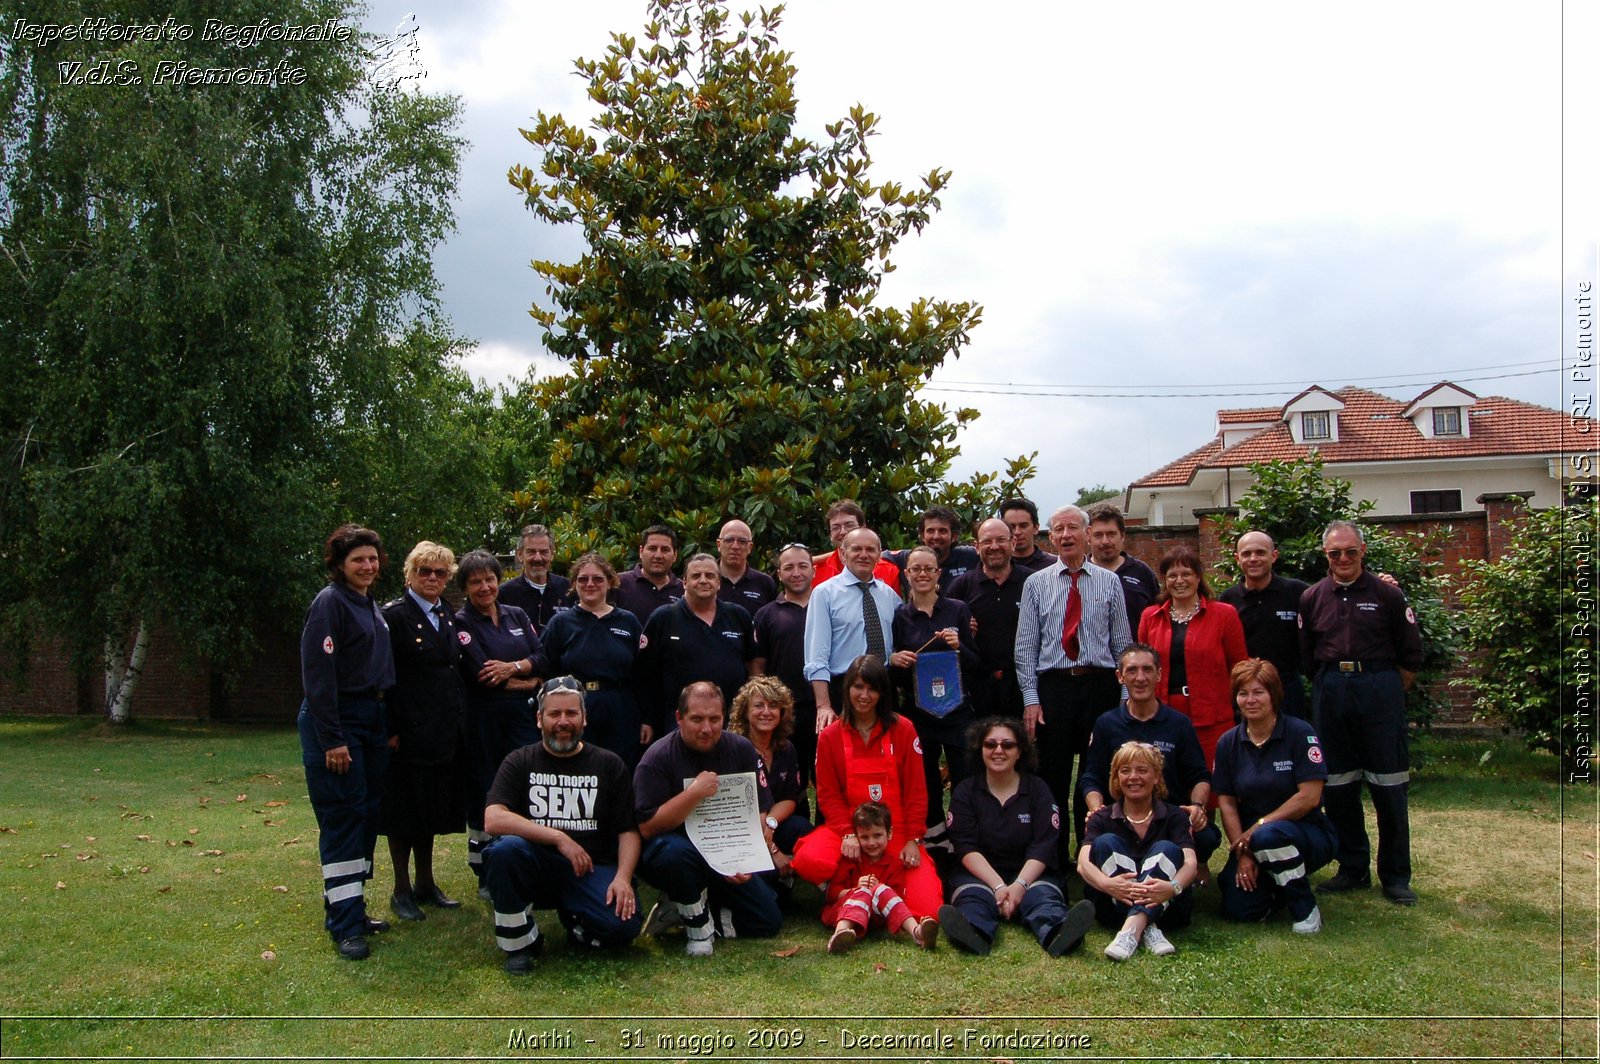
{"x":1400,"y":893}
{"x":958,"y":929}
{"x":405,"y":907}
{"x":354,"y":948}
{"x":1069,"y":934}
{"x":1343,"y":883}
{"x":375,"y":925}
{"x":432,"y":895}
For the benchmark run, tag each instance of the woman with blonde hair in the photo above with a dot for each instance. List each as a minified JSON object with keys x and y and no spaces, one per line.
{"x":427,"y":788}
{"x":1138,"y":856}
{"x":763,"y":712}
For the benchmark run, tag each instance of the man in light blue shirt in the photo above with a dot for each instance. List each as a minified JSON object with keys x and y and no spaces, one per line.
{"x":1067,"y":657}
{"x":836,"y":620}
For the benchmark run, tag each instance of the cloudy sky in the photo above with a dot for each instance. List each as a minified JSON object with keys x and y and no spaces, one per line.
{"x":1164,"y":207}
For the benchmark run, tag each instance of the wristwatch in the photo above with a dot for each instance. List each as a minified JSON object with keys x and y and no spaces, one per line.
{"x":772,"y":823}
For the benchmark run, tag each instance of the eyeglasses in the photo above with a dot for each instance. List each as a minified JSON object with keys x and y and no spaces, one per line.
{"x":735,"y":541}
{"x":426,"y":570}
{"x":922,"y":570}
{"x":1000,"y":744}
{"x":1335,"y":553}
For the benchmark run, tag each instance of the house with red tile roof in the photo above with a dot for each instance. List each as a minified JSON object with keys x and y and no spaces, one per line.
{"x":1435,"y":453}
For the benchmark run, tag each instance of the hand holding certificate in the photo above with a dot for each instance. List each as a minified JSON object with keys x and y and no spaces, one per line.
{"x":725,"y":826}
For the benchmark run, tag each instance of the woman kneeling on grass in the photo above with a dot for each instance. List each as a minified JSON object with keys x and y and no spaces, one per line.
{"x":865,"y":890}
{"x":1269,"y":775}
{"x":1138,"y":856}
{"x":1005,"y":827}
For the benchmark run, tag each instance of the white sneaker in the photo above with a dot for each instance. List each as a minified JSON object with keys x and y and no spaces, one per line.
{"x":724,"y":923}
{"x":664,"y":916}
{"x":1157,"y":943}
{"x":1122,"y":946}
{"x":1310,"y":925}
{"x":701,"y":940}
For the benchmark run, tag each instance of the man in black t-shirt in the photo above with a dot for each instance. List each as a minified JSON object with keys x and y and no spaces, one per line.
{"x":675,"y":776}
{"x":568,"y":839}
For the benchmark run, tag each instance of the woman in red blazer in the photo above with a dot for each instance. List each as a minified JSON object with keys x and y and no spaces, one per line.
{"x":1199,"y":640}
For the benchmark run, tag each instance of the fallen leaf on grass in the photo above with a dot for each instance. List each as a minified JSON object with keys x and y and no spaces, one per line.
{"x":61,"y":884}
{"x":218,"y":871}
{"x":290,"y":842}
{"x":241,"y":797}
{"x":281,"y":889}
{"x":879,"y":966}
{"x":269,"y":777}
{"x":210,"y":853}
{"x":205,"y":801}
{"x":268,"y":955}
{"x":144,"y":870}
{"x":142,"y":838}
{"x":188,"y":842}
{"x":790,"y":952}
{"x":273,"y":823}
{"x":274,"y":805}
{"x":86,"y":856}
{"x":13,"y":831}
{"x":91,"y":838}
{"x":163,"y":890}
{"x":49,"y":853}
{"x":171,"y":843}
{"x":194,"y":831}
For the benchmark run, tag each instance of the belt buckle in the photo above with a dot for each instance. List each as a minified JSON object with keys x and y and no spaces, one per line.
{"x":1349,"y":666}
{"x":591,"y":685}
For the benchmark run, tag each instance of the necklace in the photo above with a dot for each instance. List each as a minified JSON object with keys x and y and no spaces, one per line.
{"x":1188,"y":614}
{"x":1140,"y":821}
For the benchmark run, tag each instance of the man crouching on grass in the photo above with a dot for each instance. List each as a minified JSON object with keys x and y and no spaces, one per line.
{"x":574,"y":844}
{"x":673,"y":778}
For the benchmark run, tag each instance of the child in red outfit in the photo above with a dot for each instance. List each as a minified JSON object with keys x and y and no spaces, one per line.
{"x":865,"y":891}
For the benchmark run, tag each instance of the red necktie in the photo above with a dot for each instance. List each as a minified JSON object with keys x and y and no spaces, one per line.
{"x":1069,"y":626}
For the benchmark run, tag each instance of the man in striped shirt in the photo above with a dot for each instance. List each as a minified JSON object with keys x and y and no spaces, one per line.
{"x":1071,"y":626}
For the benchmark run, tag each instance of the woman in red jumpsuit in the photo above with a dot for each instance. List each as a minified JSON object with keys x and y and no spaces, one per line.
{"x":870,"y":754}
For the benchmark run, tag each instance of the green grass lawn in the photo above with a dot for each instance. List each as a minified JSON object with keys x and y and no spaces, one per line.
{"x":161,"y":897}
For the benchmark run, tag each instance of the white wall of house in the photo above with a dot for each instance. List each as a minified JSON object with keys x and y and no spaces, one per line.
{"x":1388,"y":484}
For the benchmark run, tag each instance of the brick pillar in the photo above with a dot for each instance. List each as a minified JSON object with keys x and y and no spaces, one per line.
{"x":1211,"y":523}
{"x":1502,"y":511}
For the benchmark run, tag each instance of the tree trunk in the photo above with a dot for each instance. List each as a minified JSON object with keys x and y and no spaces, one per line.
{"x":122,"y":676}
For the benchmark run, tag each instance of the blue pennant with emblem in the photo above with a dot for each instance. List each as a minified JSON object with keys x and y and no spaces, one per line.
{"x":938,"y":675}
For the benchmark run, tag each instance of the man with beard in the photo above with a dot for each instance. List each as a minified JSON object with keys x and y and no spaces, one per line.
{"x":568,"y":837}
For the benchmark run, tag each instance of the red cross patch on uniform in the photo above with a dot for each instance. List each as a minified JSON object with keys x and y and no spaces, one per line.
{"x":1315,"y":754}
{"x":327,"y":644}
{"x":1411,"y":615}
{"x":916,"y":744}
{"x":464,"y":637}
{"x":875,"y":791}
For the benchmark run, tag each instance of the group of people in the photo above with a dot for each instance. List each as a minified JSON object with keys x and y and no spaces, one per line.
{"x":573,"y":725}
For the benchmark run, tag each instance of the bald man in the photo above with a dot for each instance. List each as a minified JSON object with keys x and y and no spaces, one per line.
{"x":741,"y":585}
{"x":1269,"y":608}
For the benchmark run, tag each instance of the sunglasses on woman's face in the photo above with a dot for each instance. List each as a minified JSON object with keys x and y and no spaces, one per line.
{"x":999,"y":744}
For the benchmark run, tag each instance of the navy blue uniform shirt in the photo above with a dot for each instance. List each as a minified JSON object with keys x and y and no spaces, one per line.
{"x":1271,"y":619}
{"x":594,"y":649}
{"x":960,"y":560}
{"x":1027,"y":827}
{"x":753,"y":590}
{"x":994,"y":606}
{"x":1139,"y":586}
{"x":670,"y":762}
{"x":780,"y":638}
{"x":344,"y":649}
{"x":640,"y":597}
{"x":1183,"y":760}
{"x":539,"y":605}
{"x":1261,"y":778}
{"x":680,"y":648}
{"x":482,"y":640}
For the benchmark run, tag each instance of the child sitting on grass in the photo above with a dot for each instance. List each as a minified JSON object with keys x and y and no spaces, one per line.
{"x":865,"y":891}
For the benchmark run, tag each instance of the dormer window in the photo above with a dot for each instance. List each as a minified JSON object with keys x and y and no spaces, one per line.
{"x":1316,"y":425}
{"x":1447,"y":421}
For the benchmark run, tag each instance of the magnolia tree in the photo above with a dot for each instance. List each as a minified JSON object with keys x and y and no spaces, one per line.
{"x":727,"y":352}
